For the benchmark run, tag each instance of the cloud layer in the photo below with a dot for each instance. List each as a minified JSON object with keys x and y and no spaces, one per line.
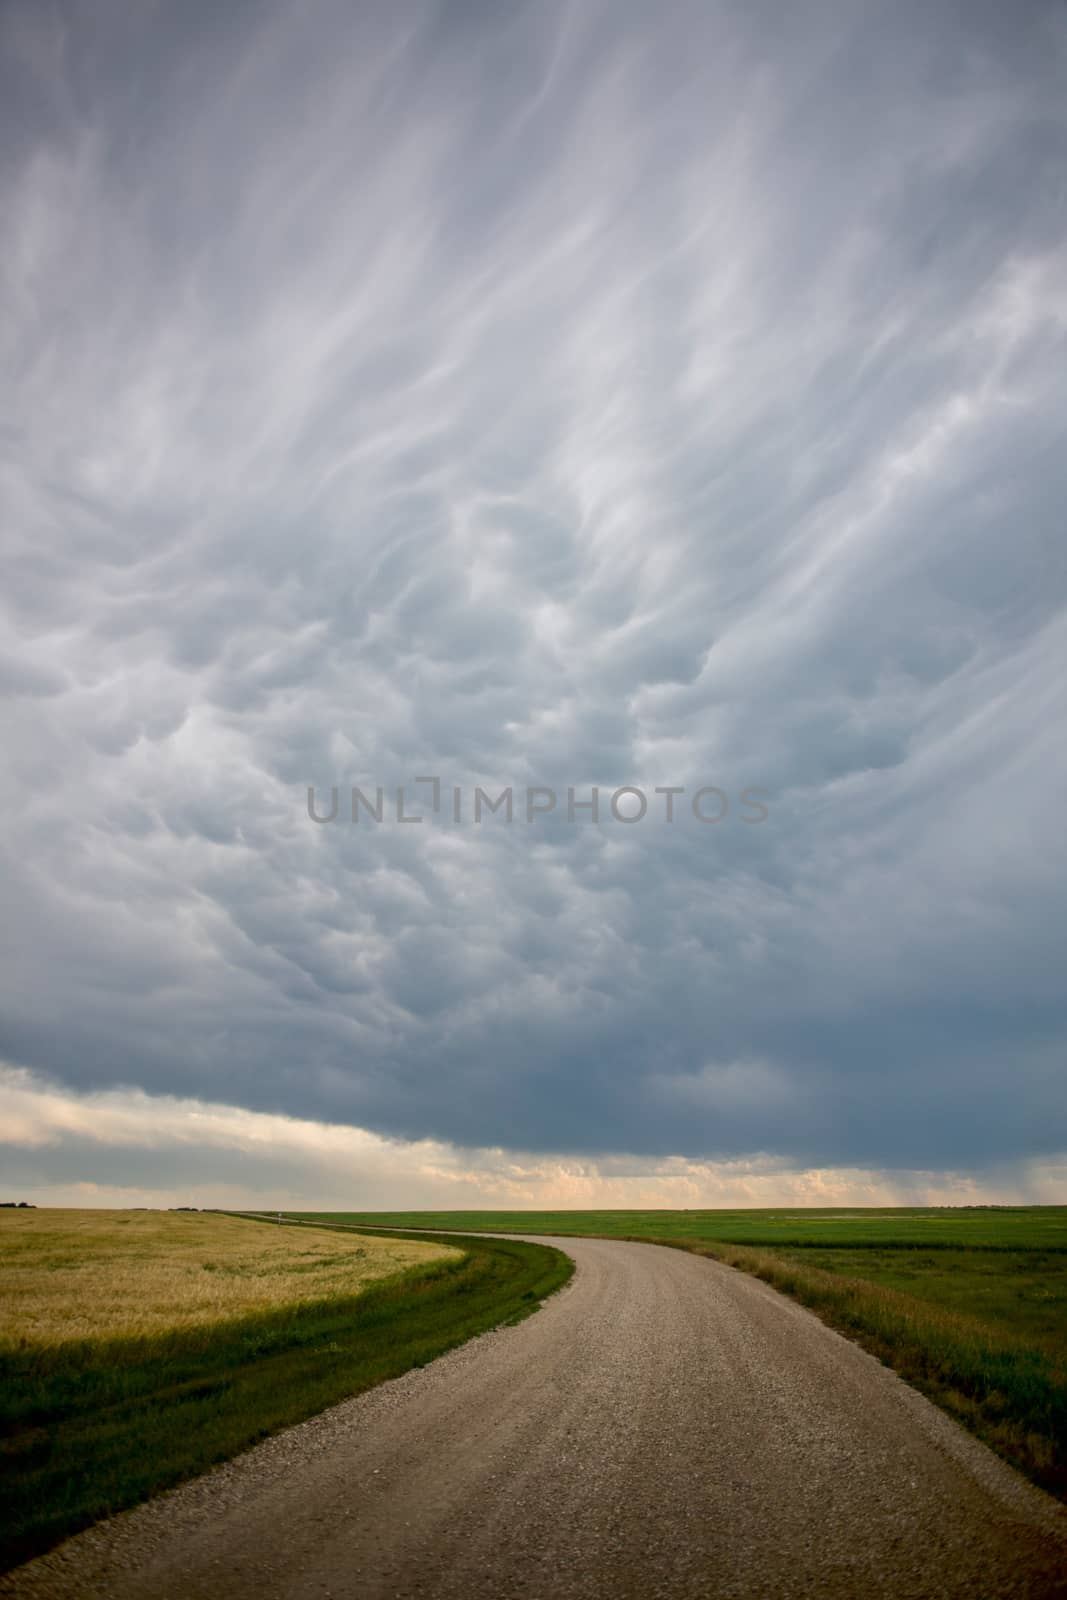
{"x":543,"y":394}
{"x":123,"y":1147}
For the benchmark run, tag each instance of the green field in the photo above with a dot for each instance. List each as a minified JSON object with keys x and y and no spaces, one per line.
{"x":967,"y":1304}
{"x":92,"y":1424}
{"x":987,"y":1227}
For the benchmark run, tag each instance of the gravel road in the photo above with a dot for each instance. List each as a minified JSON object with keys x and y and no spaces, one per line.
{"x":662,"y":1427}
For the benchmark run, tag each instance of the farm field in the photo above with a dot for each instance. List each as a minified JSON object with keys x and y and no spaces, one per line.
{"x":969,"y":1305}
{"x":1025,"y":1227}
{"x":137,"y":1349}
{"x":69,"y":1275}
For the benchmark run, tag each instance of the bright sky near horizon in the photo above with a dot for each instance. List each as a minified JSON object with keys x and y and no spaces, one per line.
{"x":536,"y":395}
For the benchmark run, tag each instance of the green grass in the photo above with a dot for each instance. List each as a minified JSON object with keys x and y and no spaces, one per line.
{"x":91,"y":1427}
{"x":1016,"y":1293}
{"x":969,"y":1305}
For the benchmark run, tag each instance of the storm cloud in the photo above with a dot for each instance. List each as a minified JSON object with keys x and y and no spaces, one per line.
{"x":541,"y":394}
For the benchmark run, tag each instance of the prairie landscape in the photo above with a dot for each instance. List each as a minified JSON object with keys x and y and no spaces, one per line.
{"x":533,"y":678}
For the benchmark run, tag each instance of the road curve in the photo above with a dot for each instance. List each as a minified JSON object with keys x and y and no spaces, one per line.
{"x":662,"y":1427}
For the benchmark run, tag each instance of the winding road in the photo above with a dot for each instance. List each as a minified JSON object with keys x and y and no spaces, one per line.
{"x":663,"y":1427}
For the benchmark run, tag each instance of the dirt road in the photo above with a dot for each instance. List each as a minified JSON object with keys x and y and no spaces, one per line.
{"x":663,"y":1427}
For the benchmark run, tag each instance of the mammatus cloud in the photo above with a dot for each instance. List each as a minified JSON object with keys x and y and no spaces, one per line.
{"x":124,"y":1147}
{"x":545,"y":394}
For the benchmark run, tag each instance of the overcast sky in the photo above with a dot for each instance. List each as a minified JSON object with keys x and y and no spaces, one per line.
{"x":534,"y":394}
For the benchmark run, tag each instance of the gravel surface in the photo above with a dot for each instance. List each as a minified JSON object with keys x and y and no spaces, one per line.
{"x":662,"y":1427}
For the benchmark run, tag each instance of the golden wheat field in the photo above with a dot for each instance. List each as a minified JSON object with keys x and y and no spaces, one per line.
{"x":89,"y":1274}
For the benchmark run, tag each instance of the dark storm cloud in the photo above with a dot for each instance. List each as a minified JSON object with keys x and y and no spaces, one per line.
{"x":542,"y":394}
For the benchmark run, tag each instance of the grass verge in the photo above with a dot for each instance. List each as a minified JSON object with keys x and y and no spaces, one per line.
{"x":91,"y":1427}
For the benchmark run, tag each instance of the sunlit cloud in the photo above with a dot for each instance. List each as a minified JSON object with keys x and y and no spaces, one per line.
{"x":125,"y":1147}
